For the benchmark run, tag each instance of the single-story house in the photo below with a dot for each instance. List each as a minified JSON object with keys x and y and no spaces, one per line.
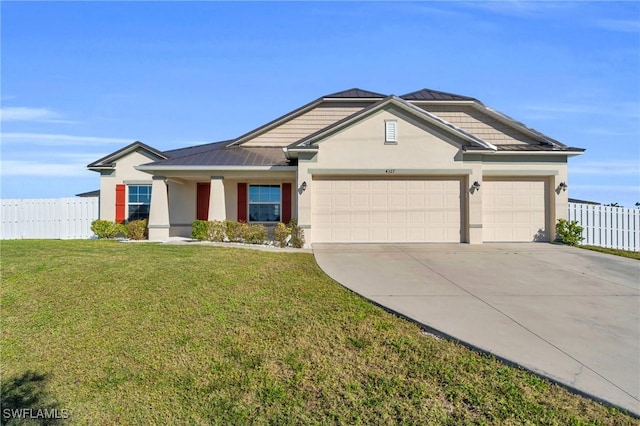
{"x":355,"y":166}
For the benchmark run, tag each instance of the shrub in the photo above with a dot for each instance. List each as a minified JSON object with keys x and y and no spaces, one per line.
{"x":216,"y":231}
{"x":255,"y":233}
{"x":235,"y":230}
{"x":137,"y":229}
{"x":280,"y":234}
{"x":297,"y":234}
{"x":569,"y":232}
{"x":199,"y":229}
{"x":107,"y":228}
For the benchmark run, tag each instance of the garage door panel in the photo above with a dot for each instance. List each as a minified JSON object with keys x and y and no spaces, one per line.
{"x":392,"y":210}
{"x":514,"y":209}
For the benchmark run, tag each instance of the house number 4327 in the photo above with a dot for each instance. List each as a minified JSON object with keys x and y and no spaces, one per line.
{"x":390,"y":171}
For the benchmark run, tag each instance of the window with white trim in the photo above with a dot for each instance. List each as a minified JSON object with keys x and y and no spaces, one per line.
{"x":264,"y":203}
{"x":390,"y":131}
{"x":139,"y":201}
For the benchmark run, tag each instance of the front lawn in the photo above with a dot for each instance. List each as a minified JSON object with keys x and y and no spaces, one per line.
{"x":166,"y":334}
{"x":617,"y":252}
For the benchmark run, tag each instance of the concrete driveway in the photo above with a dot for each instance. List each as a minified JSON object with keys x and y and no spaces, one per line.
{"x":569,"y":314}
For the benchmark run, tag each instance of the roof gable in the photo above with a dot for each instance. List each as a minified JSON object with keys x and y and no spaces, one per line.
{"x":419,"y":113}
{"x":355,"y":95}
{"x":108,"y":161}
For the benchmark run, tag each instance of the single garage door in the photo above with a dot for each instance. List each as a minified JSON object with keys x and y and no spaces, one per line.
{"x":386,"y":210}
{"x":514,"y":209}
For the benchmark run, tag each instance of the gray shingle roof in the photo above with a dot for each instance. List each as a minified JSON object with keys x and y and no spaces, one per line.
{"x":435,"y":95}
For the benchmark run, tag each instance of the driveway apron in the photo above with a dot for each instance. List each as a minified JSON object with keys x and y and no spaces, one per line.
{"x":569,"y":314}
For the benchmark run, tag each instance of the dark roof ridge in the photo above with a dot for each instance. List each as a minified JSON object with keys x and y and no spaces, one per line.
{"x":355,"y":93}
{"x":435,"y":95}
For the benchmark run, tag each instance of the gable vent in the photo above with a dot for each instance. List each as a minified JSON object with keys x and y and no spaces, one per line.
{"x":390,"y":131}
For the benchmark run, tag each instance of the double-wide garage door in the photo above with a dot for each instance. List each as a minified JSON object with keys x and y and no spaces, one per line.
{"x":387,"y":210}
{"x":514,"y":209}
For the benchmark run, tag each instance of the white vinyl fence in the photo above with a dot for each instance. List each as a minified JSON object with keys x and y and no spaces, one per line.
{"x":606,"y":226}
{"x":54,"y":218}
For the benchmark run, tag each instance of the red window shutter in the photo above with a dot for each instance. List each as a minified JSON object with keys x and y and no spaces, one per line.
{"x":202,"y":203}
{"x":286,"y":203}
{"x":120,"y":202}
{"x":242,"y":202}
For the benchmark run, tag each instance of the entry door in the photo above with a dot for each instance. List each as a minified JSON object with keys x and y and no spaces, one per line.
{"x":202,"y":201}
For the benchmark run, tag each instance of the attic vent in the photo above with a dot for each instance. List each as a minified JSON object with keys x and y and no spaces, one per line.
{"x":390,"y":131}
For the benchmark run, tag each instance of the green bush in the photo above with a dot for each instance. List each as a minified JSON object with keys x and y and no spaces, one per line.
{"x":241,"y":232}
{"x":255,"y":234}
{"x":280,"y":234}
{"x":297,"y":234}
{"x":234,"y":231}
{"x":199,"y":229}
{"x":107,"y":228}
{"x":216,"y":231}
{"x":569,"y":232}
{"x":137,"y":229}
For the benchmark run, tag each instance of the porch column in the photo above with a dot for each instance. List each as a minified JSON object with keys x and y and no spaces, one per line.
{"x":159,"y":210}
{"x":217,"y":208}
{"x":475,"y":217}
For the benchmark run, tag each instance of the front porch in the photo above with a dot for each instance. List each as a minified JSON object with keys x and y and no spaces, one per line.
{"x":177,"y":199}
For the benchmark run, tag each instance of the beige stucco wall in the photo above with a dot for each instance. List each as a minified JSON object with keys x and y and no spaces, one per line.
{"x":422,"y":150}
{"x":124,"y":171}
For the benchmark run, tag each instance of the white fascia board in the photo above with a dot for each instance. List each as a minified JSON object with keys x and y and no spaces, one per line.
{"x":223,"y":168}
{"x":291,"y":153}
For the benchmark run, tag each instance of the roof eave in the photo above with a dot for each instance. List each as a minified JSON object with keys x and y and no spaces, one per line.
{"x":151,"y":169}
{"x":558,"y":152}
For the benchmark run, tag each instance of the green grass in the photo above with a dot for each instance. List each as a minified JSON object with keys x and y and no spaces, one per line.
{"x":164,"y":334}
{"x":623,"y":253}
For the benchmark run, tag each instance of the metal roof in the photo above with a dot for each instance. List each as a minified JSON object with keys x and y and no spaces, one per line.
{"x":435,"y":95}
{"x":355,"y":93}
{"x":218,"y":154}
{"x":528,"y":148}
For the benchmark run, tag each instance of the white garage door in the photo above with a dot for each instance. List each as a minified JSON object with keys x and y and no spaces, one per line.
{"x":416,"y":210}
{"x":514,"y":210}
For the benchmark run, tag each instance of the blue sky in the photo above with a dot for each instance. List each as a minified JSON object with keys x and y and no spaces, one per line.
{"x":82,"y":79}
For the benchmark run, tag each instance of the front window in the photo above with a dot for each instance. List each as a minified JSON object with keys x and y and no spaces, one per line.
{"x":139,"y":201}
{"x":264,"y":203}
